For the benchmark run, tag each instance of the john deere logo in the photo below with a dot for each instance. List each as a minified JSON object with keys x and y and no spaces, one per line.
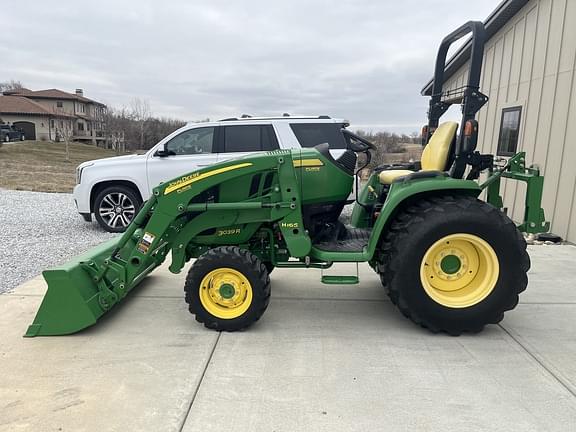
{"x":197,"y":176}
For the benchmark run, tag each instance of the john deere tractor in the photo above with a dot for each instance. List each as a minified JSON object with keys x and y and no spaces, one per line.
{"x":450,"y":261}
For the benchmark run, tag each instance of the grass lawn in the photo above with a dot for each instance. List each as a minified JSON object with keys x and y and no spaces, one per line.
{"x":42,"y":166}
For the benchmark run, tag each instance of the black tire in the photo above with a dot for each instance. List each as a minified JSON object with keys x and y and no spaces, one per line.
{"x":269,"y":266}
{"x":232,"y":257}
{"x":105,"y":201}
{"x":418,"y":227}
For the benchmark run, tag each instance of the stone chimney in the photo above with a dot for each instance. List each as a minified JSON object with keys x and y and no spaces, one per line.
{"x":80,"y":92}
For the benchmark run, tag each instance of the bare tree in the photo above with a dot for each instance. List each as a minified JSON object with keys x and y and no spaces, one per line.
{"x":390,"y":147}
{"x":126,"y":131}
{"x":141,"y":114}
{"x":64,"y":129}
{"x":10,"y":85}
{"x":66,"y":132}
{"x":116,"y":123}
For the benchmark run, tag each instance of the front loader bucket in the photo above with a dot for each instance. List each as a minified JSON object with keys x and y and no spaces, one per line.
{"x":71,"y":302}
{"x":88,"y":286}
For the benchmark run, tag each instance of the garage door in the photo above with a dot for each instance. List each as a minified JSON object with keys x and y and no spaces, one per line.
{"x":28,"y":128}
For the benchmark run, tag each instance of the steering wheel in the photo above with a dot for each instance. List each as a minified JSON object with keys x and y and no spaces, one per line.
{"x":356,"y":143}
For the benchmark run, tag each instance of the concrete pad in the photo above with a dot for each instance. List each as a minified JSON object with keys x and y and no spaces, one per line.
{"x":548,"y":332}
{"x":360,"y":366}
{"x":552,"y":274}
{"x":305,"y":283}
{"x":322,"y":358}
{"x":137,"y":369}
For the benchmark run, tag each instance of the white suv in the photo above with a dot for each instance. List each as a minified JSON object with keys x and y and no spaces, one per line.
{"x":113,"y":189}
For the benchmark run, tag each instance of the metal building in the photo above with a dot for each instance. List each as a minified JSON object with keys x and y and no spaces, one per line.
{"x":528,"y":73}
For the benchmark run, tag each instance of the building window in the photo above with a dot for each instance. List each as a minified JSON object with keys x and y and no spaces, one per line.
{"x":509,"y":131}
{"x":52,"y":124}
{"x":59,"y":104}
{"x":80,"y":126}
{"x":61,"y":124}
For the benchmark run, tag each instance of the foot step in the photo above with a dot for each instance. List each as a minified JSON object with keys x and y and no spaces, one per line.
{"x":340,"y":279}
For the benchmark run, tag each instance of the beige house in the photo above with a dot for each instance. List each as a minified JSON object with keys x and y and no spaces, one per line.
{"x":529,"y":75}
{"x":54,"y":115}
{"x":36,"y":121}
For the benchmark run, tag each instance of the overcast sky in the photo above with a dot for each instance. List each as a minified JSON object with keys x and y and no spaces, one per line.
{"x":365,"y":61}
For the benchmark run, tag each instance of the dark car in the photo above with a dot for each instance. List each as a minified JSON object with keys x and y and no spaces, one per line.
{"x":9,"y":133}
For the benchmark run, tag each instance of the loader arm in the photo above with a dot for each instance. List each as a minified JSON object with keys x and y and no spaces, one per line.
{"x":80,"y":292}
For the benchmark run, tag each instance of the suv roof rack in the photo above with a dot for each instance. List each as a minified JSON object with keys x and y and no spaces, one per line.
{"x":284,"y":116}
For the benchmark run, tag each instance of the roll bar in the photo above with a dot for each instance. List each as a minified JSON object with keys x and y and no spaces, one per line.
{"x":468,"y":96}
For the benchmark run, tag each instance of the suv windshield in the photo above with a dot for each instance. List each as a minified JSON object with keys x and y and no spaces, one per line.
{"x":312,"y":134}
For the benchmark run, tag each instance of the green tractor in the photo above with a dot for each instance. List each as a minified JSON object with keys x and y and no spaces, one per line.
{"x":450,"y":262}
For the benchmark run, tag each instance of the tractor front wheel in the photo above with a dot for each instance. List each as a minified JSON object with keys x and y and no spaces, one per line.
{"x":454,"y":264}
{"x":227,"y":288}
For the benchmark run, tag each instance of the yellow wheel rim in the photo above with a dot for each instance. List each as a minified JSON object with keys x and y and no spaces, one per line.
{"x":225,"y":293}
{"x":459,"y":270}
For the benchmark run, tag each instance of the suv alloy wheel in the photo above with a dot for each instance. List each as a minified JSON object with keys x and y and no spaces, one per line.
{"x":115,"y":207}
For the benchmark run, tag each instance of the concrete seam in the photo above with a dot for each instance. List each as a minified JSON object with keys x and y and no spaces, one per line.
{"x":299,"y":299}
{"x":540,"y":361}
{"x":548,"y":303}
{"x":330,"y":299}
{"x":199,"y":384}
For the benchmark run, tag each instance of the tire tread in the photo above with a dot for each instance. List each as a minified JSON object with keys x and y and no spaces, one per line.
{"x":237,"y":256}
{"x":399,"y":232}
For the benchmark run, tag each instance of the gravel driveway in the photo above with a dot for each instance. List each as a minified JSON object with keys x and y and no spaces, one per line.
{"x":38,"y":231}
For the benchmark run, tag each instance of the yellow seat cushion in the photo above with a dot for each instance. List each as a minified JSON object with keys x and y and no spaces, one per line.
{"x":387,"y":177}
{"x":435,"y":154}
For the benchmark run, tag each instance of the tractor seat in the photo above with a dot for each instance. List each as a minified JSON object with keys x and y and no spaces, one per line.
{"x":435,"y":156}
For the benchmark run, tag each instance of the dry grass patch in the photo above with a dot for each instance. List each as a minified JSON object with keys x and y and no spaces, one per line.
{"x":42,"y":166}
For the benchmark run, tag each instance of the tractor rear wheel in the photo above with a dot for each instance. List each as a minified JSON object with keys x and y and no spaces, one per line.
{"x":227,"y":288}
{"x":454,"y":264}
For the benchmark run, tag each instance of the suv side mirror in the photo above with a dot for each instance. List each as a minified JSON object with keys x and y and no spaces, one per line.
{"x":164,"y":152}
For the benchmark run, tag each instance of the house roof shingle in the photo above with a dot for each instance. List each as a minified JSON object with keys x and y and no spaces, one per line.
{"x":50,"y":94}
{"x":25,"y":106}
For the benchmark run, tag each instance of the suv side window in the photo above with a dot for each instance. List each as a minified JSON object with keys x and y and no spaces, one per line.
{"x":312,"y":134}
{"x":250,"y":138}
{"x":192,"y":141}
